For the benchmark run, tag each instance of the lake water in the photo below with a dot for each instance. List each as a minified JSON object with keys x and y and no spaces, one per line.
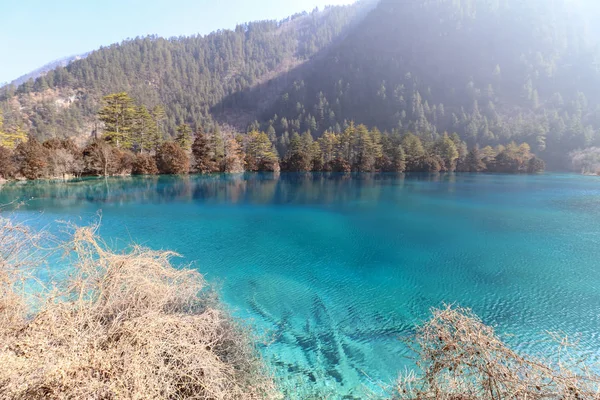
{"x":337,"y":270}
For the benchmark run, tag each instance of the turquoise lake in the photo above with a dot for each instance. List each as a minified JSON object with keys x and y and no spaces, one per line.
{"x":336,"y":270}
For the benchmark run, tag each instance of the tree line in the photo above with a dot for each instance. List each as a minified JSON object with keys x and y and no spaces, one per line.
{"x":133,"y":141}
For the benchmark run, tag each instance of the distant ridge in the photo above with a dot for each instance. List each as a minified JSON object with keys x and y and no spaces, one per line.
{"x":63,"y":62}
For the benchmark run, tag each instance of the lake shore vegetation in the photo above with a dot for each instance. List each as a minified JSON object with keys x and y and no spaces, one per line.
{"x":132,"y":143}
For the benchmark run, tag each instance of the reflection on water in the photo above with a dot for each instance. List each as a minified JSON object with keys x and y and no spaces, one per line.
{"x":336,"y":269}
{"x":322,"y":188}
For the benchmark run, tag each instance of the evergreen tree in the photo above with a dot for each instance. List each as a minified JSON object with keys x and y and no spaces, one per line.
{"x":474,"y":162}
{"x":118,"y":118}
{"x":445,"y":148}
{"x":184,"y":137}
{"x":399,"y":164}
{"x":144,"y":134}
{"x":201,"y":152}
{"x":260,"y":153}
{"x":328,"y":145}
{"x":299,"y":157}
{"x":414,"y":150}
{"x":158,"y":115}
{"x":365,"y":150}
{"x":217,"y":145}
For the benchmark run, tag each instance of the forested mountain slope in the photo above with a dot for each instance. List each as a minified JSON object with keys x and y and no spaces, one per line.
{"x":187,"y":75}
{"x":493,"y":71}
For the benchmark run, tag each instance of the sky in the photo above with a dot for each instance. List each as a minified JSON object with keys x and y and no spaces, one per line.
{"x":36,"y":32}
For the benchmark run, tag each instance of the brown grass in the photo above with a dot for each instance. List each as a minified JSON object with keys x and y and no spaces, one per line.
{"x":121,"y":326}
{"x":460,"y":358}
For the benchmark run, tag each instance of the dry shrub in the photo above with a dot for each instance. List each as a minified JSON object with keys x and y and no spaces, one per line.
{"x":127,"y":326}
{"x":460,"y":358}
{"x":14,"y":240}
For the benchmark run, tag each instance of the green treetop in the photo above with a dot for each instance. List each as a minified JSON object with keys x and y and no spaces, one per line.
{"x":184,"y":136}
{"x":118,"y":118}
{"x":144,"y":134}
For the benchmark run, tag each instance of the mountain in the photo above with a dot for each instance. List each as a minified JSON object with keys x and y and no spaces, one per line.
{"x":493,"y":71}
{"x":188,"y":75}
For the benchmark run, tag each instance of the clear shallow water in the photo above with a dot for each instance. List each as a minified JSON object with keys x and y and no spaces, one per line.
{"x":337,"y":269}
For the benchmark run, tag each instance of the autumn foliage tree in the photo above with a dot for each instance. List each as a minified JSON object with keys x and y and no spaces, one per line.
{"x":171,"y":159}
{"x":32,"y":158}
{"x":144,"y":164}
{"x":234,"y":157}
{"x":7,"y":163}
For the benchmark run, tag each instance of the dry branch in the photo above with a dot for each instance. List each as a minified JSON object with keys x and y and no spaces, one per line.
{"x":122,"y":326}
{"x":460,"y":358}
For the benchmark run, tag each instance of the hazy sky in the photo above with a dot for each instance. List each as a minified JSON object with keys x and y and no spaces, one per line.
{"x":35,"y":32}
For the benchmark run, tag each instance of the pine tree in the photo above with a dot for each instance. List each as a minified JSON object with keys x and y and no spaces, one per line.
{"x":299,"y":157}
{"x":184,"y":137}
{"x":144,"y":135}
{"x":474,"y":162}
{"x":328,"y":144}
{"x":445,"y":148}
{"x":217,"y":146}
{"x":118,"y":117}
{"x":413,"y":148}
{"x":201,"y":152}
{"x":158,"y":115}
{"x":260,"y":153}
{"x":399,"y":160}
{"x":365,"y":152}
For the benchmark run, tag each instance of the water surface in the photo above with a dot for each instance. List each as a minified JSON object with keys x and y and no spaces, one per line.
{"x":337,"y":270}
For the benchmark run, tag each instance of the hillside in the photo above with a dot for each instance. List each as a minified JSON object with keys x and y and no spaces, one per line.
{"x":491,"y":71}
{"x":188,"y":75}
